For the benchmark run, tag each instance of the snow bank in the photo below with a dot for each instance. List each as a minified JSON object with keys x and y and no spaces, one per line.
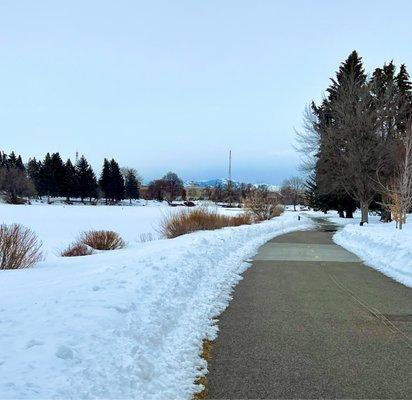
{"x":124,"y":324}
{"x":382,"y":247}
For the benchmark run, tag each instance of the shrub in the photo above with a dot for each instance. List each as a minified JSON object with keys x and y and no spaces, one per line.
{"x":198,"y":219}
{"x":19,"y":247}
{"x":77,"y":249}
{"x":262,"y":206}
{"x":102,"y":240}
{"x":15,"y":184}
{"x":145,"y":237}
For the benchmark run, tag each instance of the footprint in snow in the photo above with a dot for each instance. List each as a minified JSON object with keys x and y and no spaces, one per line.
{"x":64,"y":352}
{"x":32,"y":343}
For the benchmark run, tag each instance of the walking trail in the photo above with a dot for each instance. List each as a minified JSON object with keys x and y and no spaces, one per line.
{"x":309,"y":320}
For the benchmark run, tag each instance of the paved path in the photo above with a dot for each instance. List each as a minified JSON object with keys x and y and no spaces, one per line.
{"x":309,"y":320}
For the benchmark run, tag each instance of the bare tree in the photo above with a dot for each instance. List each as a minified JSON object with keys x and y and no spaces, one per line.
{"x":397,"y":193}
{"x":262,"y":204}
{"x":14,"y":183}
{"x":308,"y":141}
{"x":292,"y":190}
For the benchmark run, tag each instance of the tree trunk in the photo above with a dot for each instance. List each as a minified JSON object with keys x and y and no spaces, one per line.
{"x":364,"y":213}
{"x":341,"y":214}
{"x":349,"y":214}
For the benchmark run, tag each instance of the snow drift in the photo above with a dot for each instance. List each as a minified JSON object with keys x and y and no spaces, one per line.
{"x":122,"y":324}
{"x":381,"y":247}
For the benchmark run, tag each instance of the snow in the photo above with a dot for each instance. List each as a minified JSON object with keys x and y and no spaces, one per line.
{"x":382,"y":247}
{"x":59,"y":225}
{"x":379,"y":245}
{"x":121,"y":324}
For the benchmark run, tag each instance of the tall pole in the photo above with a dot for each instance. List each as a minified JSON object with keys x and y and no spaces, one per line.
{"x":230,"y":165}
{"x":230,"y":178}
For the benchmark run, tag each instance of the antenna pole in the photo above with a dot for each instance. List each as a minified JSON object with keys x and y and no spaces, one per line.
{"x":229,"y":184}
{"x":230,"y":165}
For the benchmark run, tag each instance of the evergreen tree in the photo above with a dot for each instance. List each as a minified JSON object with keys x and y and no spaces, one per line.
{"x":11,"y":160}
{"x":3,"y":160}
{"x":105,"y":180}
{"x":350,"y":149}
{"x":405,"y":98}
{"x":69,"y":183}
{"x":19,"y":164}
{"x":58,"y":174}
{"x":47,"y":180}
{"x":131,"y":185}
{"x":33,"y":170}
{"x":87,"y":183}
{"x":116,"y":181}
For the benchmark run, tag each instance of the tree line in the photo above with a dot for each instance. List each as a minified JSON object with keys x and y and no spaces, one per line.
{"x":51,"y":177}
{"x":359,"y":142}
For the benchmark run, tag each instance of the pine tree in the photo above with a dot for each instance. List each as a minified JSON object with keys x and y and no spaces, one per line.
{"x":116,"y":181}
{"x":131,"y":185}
{"x":3,"y":160}
{"x":19,"y":164}
{"x":11,"y":160}
{"x":47,"y":180}
{"x":405,"y":98}
{"x":33,"y":169}
{"x":69,"y":183}
{"x":58,"y":174}
{"x":351,"y":72}
{"x":403,"y":81}
{"x":87,"y":183}
{"x":350,"y":150}
{"x":105,"y":180}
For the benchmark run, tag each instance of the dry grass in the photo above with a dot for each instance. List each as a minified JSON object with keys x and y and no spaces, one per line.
{"x":19,"y":247}
{"x":77,"y":249}
{"x":145,"y":237}
{"x":202,"y":380}
{"x":102,"y":240}
{"x":199,"y":219}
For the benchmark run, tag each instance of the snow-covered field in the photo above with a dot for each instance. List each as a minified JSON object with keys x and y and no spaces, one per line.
{"x":378,"y":244}
{"x":121,"y":324}
{"x":59,"y":225}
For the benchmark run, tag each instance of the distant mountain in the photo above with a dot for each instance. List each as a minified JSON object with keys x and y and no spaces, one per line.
{"x":223,"y":181}
{"x":208,"y":182}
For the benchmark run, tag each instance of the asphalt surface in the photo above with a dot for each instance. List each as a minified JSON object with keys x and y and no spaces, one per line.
{"x":309,"y":320}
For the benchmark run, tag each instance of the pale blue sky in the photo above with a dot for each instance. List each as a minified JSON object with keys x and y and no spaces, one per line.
{"x":173,"y":85}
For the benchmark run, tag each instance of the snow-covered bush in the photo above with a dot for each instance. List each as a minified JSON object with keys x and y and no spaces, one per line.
{"x":77,"y":249}
{"x":102,"y":240}
{"x":19,"y":247}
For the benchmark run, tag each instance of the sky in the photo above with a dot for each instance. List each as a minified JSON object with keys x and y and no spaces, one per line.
{"x":174,"y":85}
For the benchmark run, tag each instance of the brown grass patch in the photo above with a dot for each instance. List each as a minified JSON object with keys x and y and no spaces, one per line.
{"x":19,"y":247}
{"x":102,"y":240}
{"x":202,"y":380}
{"x":199,"y":219}
{"x":76,"y":250}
